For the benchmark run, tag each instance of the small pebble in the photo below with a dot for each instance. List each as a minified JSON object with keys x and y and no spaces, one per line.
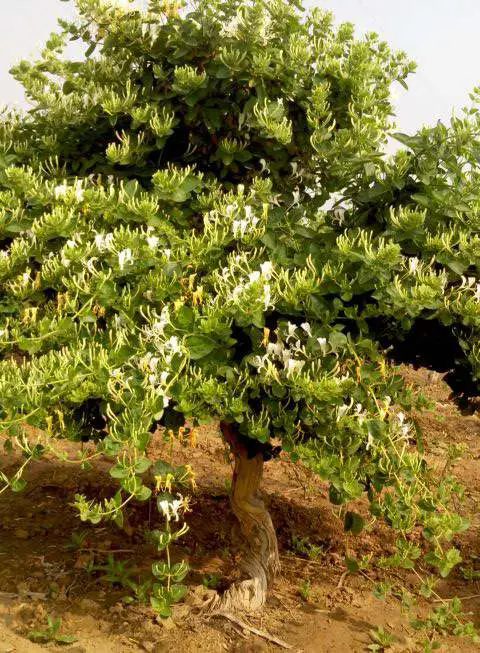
{"x":22,"y":534}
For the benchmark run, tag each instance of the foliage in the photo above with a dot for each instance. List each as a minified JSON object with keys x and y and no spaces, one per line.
{"x":198,"y":221}
{"x":51,"y":633}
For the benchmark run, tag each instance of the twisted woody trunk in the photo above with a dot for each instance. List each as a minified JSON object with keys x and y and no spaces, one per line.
{"x":260,"y":562}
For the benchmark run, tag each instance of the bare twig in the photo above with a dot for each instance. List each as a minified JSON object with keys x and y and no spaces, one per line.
{"x":17,"y":595}
{"x":106,"y":550}
{"x":255,"y":631}
{"x":461,"y":598}
{"x":342,"y":579}
{"x":308,"y":561}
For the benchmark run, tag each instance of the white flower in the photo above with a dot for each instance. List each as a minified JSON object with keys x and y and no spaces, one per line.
{"x":167,"y":253}
{"x":70,"y":243}
{"x":248,"y":212}
{"x":152,"y":241}
{"x":342,"y":411}
{"x":61,"y":191}
{"x":103,"y":242}
{"x":79,"y":192}
{"x":237,"y":291}
{"x":294,"y":366}
{"x":274,"y":349}
{"x":306,"y":327}
{"x":323,"y":344}
{"x":171,"y":508}
{"x":153,"y":362}
{"x":291,"y":330}
{"x":152,"y":378}
{"x":116,"y":373}
{"x":239,"y":227}
{"x":163,"y":378}
{"x":254,"y":276}
{"x":124,"y":257}
{"x":266,"y":269}
{"x":413,"y":264}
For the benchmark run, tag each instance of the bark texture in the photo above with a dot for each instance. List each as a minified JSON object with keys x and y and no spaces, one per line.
{"x":260,"y":562}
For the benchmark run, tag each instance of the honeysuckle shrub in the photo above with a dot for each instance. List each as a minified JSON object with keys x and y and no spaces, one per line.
{"x":198,"y":221}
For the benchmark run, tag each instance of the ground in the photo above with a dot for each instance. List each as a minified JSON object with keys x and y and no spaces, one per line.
{"x":42,"y":574}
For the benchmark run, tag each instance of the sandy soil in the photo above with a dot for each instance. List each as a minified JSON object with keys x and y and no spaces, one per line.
{"x":41,"y":574}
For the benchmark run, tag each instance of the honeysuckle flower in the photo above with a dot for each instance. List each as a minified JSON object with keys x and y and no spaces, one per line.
{"x":293,"y":366}
{"x":171,"y":508}
{"x":173,"y":345}
{"x":70,"y":244}
{"x":323,"y":344}
{"x":90,"y":264}
{"x":237,"y":291}
{"x":79,"y":192}
{"x":152,"y":241}
{"x":153,"y":362}
{"x":254,"y":276}
{"x":239,"y":227}
{"x":306,"y":327}
{"x":413,"y":264}
{"x":266,"y":269}
{"x":291,"y":329}
{"x":61,"y":191}
{"x":274,"y":349}
{"x":167,"y":253}
{"x":124,"y":257}
{"x":103,"y":241}
{"x":342,"y":411}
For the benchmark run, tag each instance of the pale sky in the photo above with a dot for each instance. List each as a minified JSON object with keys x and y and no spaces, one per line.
{"x":442,"y":36}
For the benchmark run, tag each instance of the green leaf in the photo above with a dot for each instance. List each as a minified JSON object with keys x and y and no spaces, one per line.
{"x":90,"y":49}
{"x":199,"y":346}
{"x":354,"y":523}
{"x":65,"y":639}
{"x":18,"y":485}
{"x":142,"y":465}
{"x":336,"y":496}
{"x":185,"y":318}
{"x":143,"y":493}
{"x":38,"y":636}
{"x":160,"y":606}
{"x":118,"y":471}
{"x":352,"y":565}
{"x":177,"y":592}
{"x":119,"y":519}
{"x":68,"y":87}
